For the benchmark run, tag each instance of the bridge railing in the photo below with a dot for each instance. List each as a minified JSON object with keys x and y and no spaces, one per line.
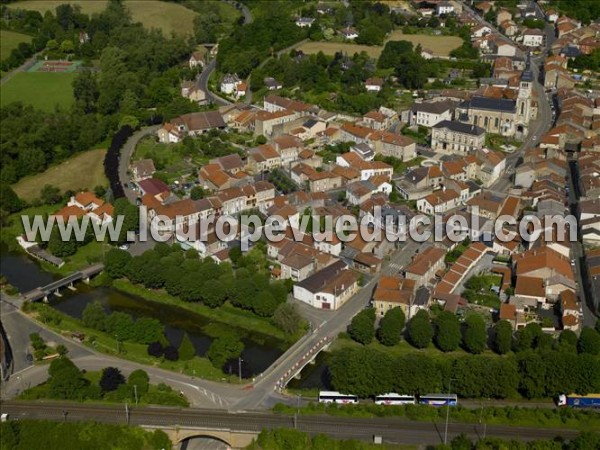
{"x":302,"y":362}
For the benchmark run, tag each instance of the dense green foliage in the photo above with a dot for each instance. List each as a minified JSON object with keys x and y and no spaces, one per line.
{"x":447,"y":331}
{"x":362,"y":326}
{"x":129,"y":83}
{"x":583,"y":10}
{"x":474,"y":334}
{"x":224,"y":348}
{"x":30,"y":435}
{"x":183,"y":275}
{"x":367,"y":372}
{"x":186,"y":349}
{"x":290,"y":439}
{"x":419,"y":331}
{"x":143,"y":330}
{"x":67,"y":382}
{"x":391,"y":326}
{"x":503,"y":333}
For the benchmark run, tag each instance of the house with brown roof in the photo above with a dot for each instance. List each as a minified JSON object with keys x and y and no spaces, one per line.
{"x":263,"y":158}
{"x":425,"y":265}
{"x":192,"y":124}
{"x":86,"y":204}
{"x":142,"y":169}
{"x":509,"y":313}
{"x":395,"y":291}
{"x":438,"y":202}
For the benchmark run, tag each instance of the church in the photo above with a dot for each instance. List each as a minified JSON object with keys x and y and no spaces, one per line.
{"x":505,"y":116}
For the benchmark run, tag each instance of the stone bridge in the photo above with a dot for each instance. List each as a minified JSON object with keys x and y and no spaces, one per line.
{"x":233,"y":439}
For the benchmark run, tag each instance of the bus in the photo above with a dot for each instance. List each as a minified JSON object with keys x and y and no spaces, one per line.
{"x":439,"y":399}
{"x":395,"y":399}
{"x":336,"y":397}
{"x":579,"y":401}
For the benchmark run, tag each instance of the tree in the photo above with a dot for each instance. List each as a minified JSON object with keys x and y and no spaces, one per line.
{"x":10,"y":200}
{"x":391,"y":326}
{"x":197,"y":193}
{"x":111,"y":379}
{"x":65,"y":381}
{"x":171,"y":353}
{"x":140,"y":379}
{"x":85,"y":91}
{"x":155,"y":349}
{"x":130,"y":214}
{"x":503,"y":337}
{"x":532,"y":369}
{"x":447,"y":331}
{"x":264,"y":304}
{"x":187,"y":351}
{"x":589,"y":341}
{"x":213,"y":294}
{"x":419,"y":330}
{"x":116,"y":263}
{"x":94,"y":316}
{"x":474,"y":334}
{"x":526,"y":337}
{"x":62,"y":350}
{"x":224,"y":348}
{"x":362,"y":326}
{"x":287,"y":318}
{"x":567,"y":341}
{"x":50,"y":194}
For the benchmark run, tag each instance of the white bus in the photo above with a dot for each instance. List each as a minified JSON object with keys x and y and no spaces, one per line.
{"x":439,"y":399}
{"x":336,"y":397}
{"x":395,"y":399}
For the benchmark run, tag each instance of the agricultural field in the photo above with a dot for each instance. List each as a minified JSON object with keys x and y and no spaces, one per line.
{"x":82,"y":171}
{"x":42,"y":90}
{"x":169,"y":17}
{"x":440,"y":45}
{"x":9,"y":40}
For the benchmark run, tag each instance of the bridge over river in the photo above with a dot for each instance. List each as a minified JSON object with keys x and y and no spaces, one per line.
{"x":42,"y":293}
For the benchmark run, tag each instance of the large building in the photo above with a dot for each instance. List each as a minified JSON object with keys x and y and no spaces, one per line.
{"x":503,"y":116}
{"x":456,"y":137}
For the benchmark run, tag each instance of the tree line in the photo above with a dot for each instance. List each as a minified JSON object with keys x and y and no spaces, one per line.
{"x":291,"y":439}
{"x":129,"y":87}
{"x":185,"y":276}
{"x":367,"y":372}
{"x":446,"y":331}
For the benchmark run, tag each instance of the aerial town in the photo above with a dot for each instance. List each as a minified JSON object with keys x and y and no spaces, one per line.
{"x":300,"y":224}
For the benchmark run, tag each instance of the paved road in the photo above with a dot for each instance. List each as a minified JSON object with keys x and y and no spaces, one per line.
{"x":210,"y":67}
{"x":18,"y":326}
{"x":330,"y":325}
{"x":393,"y":430}
{"x":125,"y":157}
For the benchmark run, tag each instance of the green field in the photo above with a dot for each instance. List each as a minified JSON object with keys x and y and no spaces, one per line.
{"x":9,"y":40}
{"x":40,"y":89}
{"x":440,"y":45}
{"x":169,"y":17}
{"x":82,"y":171}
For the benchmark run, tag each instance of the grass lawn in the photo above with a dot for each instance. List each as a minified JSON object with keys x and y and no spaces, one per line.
{"x":154,"y":396}
{"x":106,"y":343}
{"x":440,"y":45}
{"x":39,"y":89}
{"x":82,"y":171}
{"x":10,"y":40}
{"x":14,"y":225}
{"x":169,"y":17}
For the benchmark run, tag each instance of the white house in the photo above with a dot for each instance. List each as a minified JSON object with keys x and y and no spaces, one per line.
{"x":505,"y":49}
{"x":229,"y":83}
{"x":444,"y":8}
{"x":304,"y":22}
{"x":349,"y":33}
{"x":533,"y":38}
{"x":480,"y":31}
{"x":328,"y":288}
{"x":552,"y":15}
{"x":374,"y":84}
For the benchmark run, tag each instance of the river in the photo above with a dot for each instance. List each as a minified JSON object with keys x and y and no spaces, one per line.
{"x":260,"y":351}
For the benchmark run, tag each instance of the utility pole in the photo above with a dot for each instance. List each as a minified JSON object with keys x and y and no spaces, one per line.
{"x":126,"y":412}
{"x":240,"y":360}
{"x":135,"y":393}
{"x":447,"y":412}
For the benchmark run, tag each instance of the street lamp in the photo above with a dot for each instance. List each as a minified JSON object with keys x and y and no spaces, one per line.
{"x":447,"y":411}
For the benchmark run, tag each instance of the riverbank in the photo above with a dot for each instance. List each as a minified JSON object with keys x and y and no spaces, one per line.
{"x":562,"y":418}
{"x":226,"y":314}
{"x":103,"y":342}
